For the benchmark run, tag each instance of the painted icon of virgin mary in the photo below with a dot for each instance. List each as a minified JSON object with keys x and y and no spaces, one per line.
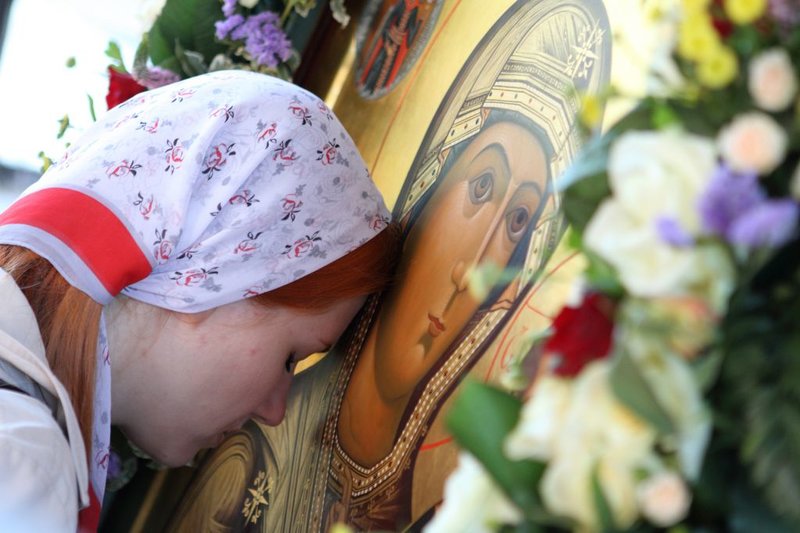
{"x":481,"y":189}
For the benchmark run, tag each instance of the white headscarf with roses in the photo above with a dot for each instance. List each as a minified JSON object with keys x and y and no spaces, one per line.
{"x":198,"y":194}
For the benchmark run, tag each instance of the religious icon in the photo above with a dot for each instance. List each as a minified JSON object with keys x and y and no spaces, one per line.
{"x":391,"y":37}
{"x":361,"y":439}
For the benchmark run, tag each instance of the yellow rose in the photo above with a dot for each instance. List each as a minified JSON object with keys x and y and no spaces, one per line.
{"x":718,"y":68}
{"x":694,"y":6}
{"x":697,"y":37}
{"x":744,"y":11}
{"x":591,"y":111}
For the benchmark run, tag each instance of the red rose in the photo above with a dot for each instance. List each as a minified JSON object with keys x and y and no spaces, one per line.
{"x":720,"y":21}
{"x":121,"y":86}
{"x":582,"y":334}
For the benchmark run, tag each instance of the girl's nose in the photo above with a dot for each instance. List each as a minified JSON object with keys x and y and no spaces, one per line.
{"x":270,"y":413}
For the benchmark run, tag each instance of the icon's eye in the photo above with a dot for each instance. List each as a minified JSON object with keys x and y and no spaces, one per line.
{"x":480,"y":188}
{"x":516,"y":222}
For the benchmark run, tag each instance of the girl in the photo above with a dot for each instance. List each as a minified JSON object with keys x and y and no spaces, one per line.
{"x":181,"y":258}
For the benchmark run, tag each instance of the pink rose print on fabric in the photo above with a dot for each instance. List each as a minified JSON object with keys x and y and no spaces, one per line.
{"x":267,"y":134}
{"x":182,"y":94}
{"x":377,"y":222}
{"x":300,"y":111}
{"x":193,"y":276}
{"x":291,"y":206}
{"x":162,"y":247}
{"x":149,"y":127}
{"x":324,"y":109}
{"x":189,"y":252}
{"x":145,"y":205}
{"x":328,"y":153}
{"x":123,"y":168}
{"x":175,"y":155}
{"x":249,"y":244}
{"x":223,"y":111}
{"x":301,"y":246}
{"x":101,"y":459}
{"x":125,"y":119}
{"x":246,"y":197}
{"x":284,"y":153}
{"x":249,"y":293}
{"x":217,"y":158}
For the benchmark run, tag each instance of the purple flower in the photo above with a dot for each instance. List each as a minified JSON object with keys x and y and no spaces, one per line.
{"x":158,"y":77}
{"x":671,"y":232}
{"x":226,"y":26}
{"x":786,"y":13}
{"x":770,"y":223}
{"x":728,"y":195}
{"x":265,"y":41}
{"x":229,"y":7}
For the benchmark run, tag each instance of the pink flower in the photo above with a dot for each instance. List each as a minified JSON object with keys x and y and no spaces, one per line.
{"x":753,"y":142}
{"x":771,"y":80}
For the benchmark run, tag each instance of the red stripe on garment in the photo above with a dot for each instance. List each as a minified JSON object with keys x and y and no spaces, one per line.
{"x":89,"y":518}
{"x":89,"y":229}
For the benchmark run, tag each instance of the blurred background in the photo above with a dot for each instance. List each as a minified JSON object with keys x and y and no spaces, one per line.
{"x":37,"y":89}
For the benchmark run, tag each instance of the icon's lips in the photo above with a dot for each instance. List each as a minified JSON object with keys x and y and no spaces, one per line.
{"x":436,"y":326}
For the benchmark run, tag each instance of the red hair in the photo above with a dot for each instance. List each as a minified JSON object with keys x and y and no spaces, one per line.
{"x":69,"y":320}
{"x":365,"y":270}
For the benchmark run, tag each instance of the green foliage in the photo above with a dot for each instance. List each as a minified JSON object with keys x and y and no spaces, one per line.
{"x":758,"y":395}
{"x":185,"y":25}
{"x":631,"y":388}
{"x":498,"y":413}
{"x":115,"y":54}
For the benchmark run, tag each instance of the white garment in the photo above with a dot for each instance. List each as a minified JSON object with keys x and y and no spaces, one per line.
{"x":42,"y":475}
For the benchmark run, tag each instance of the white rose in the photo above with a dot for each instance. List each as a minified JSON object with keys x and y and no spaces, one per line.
{"x":534,"y":437}
{"x":752,"y":142}
{"x":598,"y":432}
{"x":671,"y":381}
{"x":771,"y":80}
{"x":663,"y":499}
{"x":661,"y":173}
{"x":472,"y":502}
{"x":566,"y":488}
{"x":652,"y":175}
{"x":598,"y":423}
{"x":646,"y":265}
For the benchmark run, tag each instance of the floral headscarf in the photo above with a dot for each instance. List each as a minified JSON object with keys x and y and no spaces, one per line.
{"x":195,"y":195}
{"x":201,"y":193}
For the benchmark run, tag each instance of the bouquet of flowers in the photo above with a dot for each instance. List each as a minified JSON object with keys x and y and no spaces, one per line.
{"x":668,"y":396}
{"x":192,"y":37}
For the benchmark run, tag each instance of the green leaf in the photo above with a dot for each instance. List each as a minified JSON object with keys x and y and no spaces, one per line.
{"x":189,"y":22}
{"x":115,"y":54}
{"x":70,"y":62}
{"x":91,"y":108}
{"x":63,"y":126}
{"x":480,"y":419}
{"x":605,"y":515}
{"x":191,"y":62}
{"x":631,"y":388}
{"x":140,"y":58}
